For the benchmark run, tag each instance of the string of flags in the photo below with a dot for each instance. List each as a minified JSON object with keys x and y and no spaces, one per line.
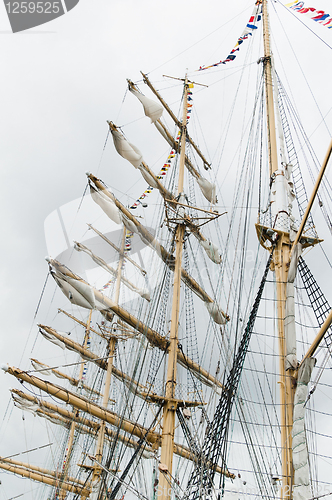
{"x":319,"y":16}
{"x":248,"y":31}
{"x":141,"y":200}
{"x":88,"y":345}
{"x":110,"y":282}
{"x":162,"y":173}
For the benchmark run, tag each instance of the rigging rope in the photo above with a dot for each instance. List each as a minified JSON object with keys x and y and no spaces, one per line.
{"x":215,"y":443}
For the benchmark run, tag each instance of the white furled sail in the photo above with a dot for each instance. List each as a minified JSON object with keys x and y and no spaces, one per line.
{"x":211,"y":250}
{"x":75,"y":289}
{"x":128,"y":223}
{"x":41,"y":367}
{"x":24,"y":405}
{"x":53,"y":337}
{"x":208,"y":189}
{"x":148,"y":177}
{"x":106,"y":204}
{"x":152,"y":109}
{"x":216,"y":313}
{"x":290,"y":333}
{"x":125,"y":149}
{"x":82,"y":248}
{"x":301,"y":488}
{"x":77,"y":292}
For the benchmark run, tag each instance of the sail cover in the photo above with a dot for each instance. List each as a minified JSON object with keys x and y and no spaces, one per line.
{"x":301,"y":489}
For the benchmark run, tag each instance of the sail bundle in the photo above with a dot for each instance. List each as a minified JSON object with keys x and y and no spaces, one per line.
{"x":302,"y":490}
{"x":317,"y":15}
{"x":115,"y":211}
{"x":125,"y":148}
{"x":152,"y":109}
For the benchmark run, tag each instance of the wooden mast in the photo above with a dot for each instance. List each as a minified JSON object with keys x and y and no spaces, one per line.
{"x":280,"y":262}
{"x":170,"y":406}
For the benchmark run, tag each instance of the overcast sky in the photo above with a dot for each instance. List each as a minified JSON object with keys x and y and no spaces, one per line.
{"x":60,"y":83}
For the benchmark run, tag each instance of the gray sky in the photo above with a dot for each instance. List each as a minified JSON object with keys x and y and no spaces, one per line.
{"x":61,"y":82}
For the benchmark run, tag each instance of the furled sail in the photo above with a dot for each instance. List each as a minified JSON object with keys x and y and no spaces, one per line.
{"x":77,"y":291}
{"x":152,"y":109}
{"x":106,"y":204}
{"x":212,"y":251}
{"x":208,"y":189}
{"x":82,"y":248}
{"x":133,"y":225}
{"x":150,"y":179}
{"x":290,"y":333}
{"x":134,"y":386}
{"x":301,"y":488}
{"x":125,"y":148}
{"x":216,"y":313}
{"x":153,"y":337}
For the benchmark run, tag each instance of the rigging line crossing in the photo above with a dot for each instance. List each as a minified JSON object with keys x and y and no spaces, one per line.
{"x":317,"y":299}
{"x":256,"y":433}
{"x":218,"y":430}
{"x":298,"y":19}
{"x":194,"y":447}
{"x":138,"y":450}
{"x":301,"y":194}
{"x":325,"y":187}
{"x":155,"y":419}
{"x":128,"y":406}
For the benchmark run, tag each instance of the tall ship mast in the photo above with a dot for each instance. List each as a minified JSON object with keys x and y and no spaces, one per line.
{"x":181,"y":364}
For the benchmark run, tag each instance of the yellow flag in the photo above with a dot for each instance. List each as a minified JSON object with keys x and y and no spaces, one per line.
{"x":191,"y":85}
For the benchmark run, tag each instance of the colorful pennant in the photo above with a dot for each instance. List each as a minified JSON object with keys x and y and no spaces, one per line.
{"x":141,"y":200}
{"x":319,"y":16}
{"x":149,"y":189}
{"x":249,"y":29}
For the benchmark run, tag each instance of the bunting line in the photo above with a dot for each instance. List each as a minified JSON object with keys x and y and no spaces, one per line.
{"x":164,"y":169}
{"x":161,"y":175}
{"x":248,"y":31}
{"x":319,"y":16}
